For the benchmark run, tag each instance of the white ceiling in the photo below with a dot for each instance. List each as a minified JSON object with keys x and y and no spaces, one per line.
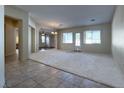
{"x":69,"y":16}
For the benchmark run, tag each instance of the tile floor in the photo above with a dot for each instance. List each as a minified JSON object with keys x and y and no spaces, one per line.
{"x":31,"y":74}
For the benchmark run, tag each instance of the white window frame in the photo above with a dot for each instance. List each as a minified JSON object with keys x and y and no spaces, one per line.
{"x":42,"y":39}
{"x":92,"y":37}
{"x":78,"y":43}
{"x":64,"y":40}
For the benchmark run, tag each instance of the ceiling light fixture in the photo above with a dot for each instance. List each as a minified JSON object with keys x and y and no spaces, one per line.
{"x":43,"y":34}
{"x":92,"y":20}
{"x":42,"y":31}
{"x":54,"y":33}
{"x":60,"y":25}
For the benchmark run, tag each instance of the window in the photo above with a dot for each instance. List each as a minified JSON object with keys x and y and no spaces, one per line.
{"x":77,"y":39}
{"x":93,"y":37}
{"x":47,"y":40}
{"x":67,"y":37}
{"x":43,"y":38}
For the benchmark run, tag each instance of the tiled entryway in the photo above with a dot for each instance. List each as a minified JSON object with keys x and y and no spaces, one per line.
{"x":31,"y":74}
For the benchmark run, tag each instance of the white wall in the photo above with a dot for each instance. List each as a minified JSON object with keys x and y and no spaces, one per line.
{"x":37,"y":27}
{"x":37,"y":36}
{"x":118,"y":36}
{"x":2,"y":78}
{"x":104,"y":47}
{"x":14,"y":12}
{"x":32,"y":24}
{"x":29,"y":41}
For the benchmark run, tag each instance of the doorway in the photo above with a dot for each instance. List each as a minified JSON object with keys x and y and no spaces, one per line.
{"x":12,"y":29}
{"x":46,"y":40}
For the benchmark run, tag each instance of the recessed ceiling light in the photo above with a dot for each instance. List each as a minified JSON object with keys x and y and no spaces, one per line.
{"x":60,"y":25}
{"x":92,"y":20}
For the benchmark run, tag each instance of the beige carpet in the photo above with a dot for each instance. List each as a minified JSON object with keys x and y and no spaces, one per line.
{"x":98,"y":67}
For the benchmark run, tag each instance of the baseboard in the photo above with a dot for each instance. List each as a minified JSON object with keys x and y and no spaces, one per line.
{"x":9,"y":54}
{"x":5,"y":86}
{"x":2,"y":85}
